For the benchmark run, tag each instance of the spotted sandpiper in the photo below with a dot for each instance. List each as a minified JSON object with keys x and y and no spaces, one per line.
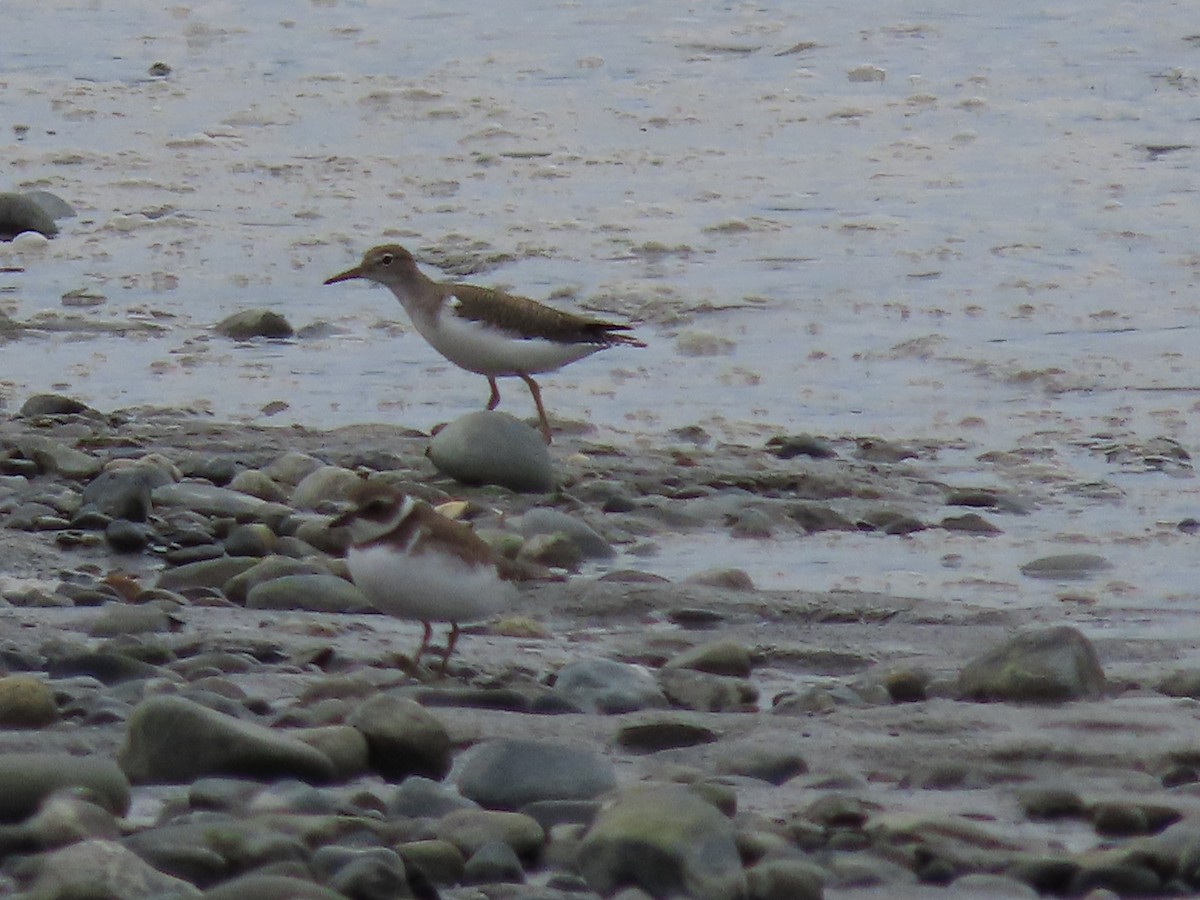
{"x":488,"y":331}
{"x":414,"y":563}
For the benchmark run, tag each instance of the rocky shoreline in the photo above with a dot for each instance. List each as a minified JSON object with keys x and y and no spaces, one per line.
{"x":198,"y":703}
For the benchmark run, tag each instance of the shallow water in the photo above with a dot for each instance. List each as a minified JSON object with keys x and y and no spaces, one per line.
{"x":994,"y":245}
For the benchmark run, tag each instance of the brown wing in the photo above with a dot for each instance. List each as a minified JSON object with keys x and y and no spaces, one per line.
{"x":528,"y":317}
{"x":448,"y":536}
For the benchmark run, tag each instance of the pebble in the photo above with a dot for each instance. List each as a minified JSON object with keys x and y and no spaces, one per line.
{"x":20,"y":213}
{"x":26,"y":702}
{"x":26,"y":779}
{"x":403,"y":738}
{"x":251,"y":323}
{"x":544,"y":521}
{"x":607,"y":686}
{"x":490,"y":447}
{"x":315,"y":593}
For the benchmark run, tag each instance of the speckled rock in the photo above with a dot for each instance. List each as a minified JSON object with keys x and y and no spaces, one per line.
{"x":491,"y":447}
{"x":667,"y":841}
{"x":508,"y":774}
{"x":170,"y":739}
{"x":26,"y":702}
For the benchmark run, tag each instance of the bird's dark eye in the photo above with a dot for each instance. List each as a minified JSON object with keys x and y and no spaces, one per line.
{"x":387,"y":259}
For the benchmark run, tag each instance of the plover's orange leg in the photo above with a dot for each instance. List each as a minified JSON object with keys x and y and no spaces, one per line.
{"x":494,"y":400}
{"x":537,"y":401}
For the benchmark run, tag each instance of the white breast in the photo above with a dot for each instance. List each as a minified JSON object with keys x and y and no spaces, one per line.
{"x":477,"y":347}
{"x":428,"y":587}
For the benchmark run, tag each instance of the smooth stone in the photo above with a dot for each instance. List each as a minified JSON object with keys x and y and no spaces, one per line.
{"x":52,"y":204}
{"x":510,"y":773}
{"x":703,"y":692}
{"x":26,"y":702}
{"x":107,"y":666}
{"x":20,"y":213}
{"x":328,"y":484}
{"x":418,"y":797}
{"x":54,"y":405}
{"x":990,"y":887}
{"x":971,"y":523}
{"x":124,"y":536}
{"x":1181,"y":683}
{"x":251,"y":323}
{"x":119,"y":619}
{"x":727,"y":579}
{"x":553,"y":551}
{"x":493,"y":863}
{"x":292,"y":467}
{"x":404,"y":738}
{"x":374,"y":874}
{"x":667,"y":841}
{"x":1044,"y":665}
{"x":26,"y":779}
{"x":205,"y":573}
{"x":607,"y":686}
{"x":490,"y":447}
{"x":171,"y":739}
{"x":1066,"y":566}
{"x":784,"y":879}
{"x":770,"y":764}
{"x":56,"y":458}
{"x":216,"y":846}
{"x":439,"y":860}
{"x":210,"y":500}
{"x":270,"y":887}
{"x":470,"y":829}
{"x":345,"y":747}
{"x":101,"y":868}
{"x":259,"y":484}
{"x":124,"y":493}
{"x":543,"y":520}
{"x":266,"y":570}
{"x":313,"y":593}
{"x":254,"y":539}
{"x":721,"y":657}
{"x":664,"y":734}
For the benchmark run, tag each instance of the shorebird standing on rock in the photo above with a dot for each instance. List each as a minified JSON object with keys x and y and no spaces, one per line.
{"x":414,"y":563}
{"x":488,"y":331}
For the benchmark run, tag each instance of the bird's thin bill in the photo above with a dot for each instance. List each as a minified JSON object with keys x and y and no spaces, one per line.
{"x":356,"y":272}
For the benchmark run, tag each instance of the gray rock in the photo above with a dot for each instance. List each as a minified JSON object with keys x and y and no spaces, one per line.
{"x":53,"y":205}
{"x":470,"y":829}
{"x":418,"y":797}
{"x":252,"y":323}
{"x":326,"y":485}
{"x":542,"y":520}
{"x":770,"y":764}
{"x":491,"y":447}
{"x":510,"y":773}
{"x":1066,"y":566}
{"x":404,"y":739}
{"x":170,"y":739}
{"x":784,"y":879}
{"x":259,"y":484}
{"x":493,"y":863}
{"x":721,"y":657}
{"x":270,"y":887}
{"x":54,"y":405}
{"x":56,"y":458}
{"x":1043,"y":665}
{"x":118,"y":619}
{"x":345,"y":747}
{"x":19,"y":213}
{"x":254,"y":539}
{"x":441,"y":861}
{"x":210,"y":500}
{"x":266,"y":570}
{"x":707,"y":693}
{"x":124,"y":536}
{"x":377,"y":873}
{"x":99,"y":868}
{"x":124,"y":493}
{"x":206,"y":573}
{"x":314,"y":593}
{"x":26,"y":779}
{"x":603,"y":685}
{"x":292,"y":467}
{"x":667,"y":733}
{"x":667,"y":841}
